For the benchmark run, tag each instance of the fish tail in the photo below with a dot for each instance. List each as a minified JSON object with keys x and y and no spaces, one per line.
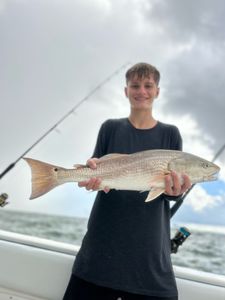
{"x":44,"y":177}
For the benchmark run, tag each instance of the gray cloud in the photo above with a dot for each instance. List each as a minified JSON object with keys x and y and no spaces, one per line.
{"x":196,"y":86}
{"x":194,"y":76}
{"x":54,"y":52}
{"x":183,"y":20}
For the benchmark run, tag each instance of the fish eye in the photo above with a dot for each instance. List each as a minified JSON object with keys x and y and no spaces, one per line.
{"x":56,"y":169}
{"x":205,"y":165}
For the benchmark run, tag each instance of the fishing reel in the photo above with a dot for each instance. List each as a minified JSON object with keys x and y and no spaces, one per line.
{"x":3,"y":198}
{"x":180,"y":236}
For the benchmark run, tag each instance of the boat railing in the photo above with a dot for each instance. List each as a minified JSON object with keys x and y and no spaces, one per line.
{"x":37,"y":268}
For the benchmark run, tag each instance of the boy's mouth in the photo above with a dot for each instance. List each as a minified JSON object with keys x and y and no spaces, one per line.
{"x":141,"y":99}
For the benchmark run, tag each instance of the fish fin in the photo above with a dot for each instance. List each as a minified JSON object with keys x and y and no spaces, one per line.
{"x":110,"y":156}
{"x":167,"y":172}
{"x":79,"y":166}
{"x":159,"y":178}
{"x":44,"y":177}
{"x":154,"y":193}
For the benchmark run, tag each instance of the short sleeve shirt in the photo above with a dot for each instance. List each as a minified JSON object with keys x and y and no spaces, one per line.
{"x":127,"y":244}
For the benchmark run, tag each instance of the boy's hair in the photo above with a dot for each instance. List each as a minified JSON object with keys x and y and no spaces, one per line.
{"x":142,"y":70}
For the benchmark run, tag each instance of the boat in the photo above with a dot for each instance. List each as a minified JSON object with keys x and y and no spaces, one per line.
{"x":33,"y":268}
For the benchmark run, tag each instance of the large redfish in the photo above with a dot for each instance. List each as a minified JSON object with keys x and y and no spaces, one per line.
{"x":141,"y":171}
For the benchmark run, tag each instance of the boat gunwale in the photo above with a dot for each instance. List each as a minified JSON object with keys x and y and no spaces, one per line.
{"x":182,"y":273}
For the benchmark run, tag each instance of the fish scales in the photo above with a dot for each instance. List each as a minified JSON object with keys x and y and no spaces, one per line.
{"x":141,"y":171}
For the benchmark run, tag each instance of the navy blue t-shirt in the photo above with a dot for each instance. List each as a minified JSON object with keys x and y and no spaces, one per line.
{"x":127,"y":244}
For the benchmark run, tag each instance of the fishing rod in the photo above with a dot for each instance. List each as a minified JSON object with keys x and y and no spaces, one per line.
{"x":71,"y":111}
{"x":180,"y":200}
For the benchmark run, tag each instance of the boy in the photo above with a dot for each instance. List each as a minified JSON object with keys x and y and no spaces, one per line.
{"x":125,"y":253}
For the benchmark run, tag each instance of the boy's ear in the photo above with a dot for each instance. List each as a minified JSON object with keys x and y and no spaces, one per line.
{"x":158,"y":92}
{"x":125,"y":91}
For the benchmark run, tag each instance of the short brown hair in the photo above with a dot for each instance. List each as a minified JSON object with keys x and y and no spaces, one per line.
{"x":143,"y":70}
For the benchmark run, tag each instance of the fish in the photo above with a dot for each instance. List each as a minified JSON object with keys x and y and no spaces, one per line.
{"x":140,"y":171}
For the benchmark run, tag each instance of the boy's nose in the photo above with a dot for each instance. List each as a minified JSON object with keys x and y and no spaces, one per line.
{"x":142,"y":90}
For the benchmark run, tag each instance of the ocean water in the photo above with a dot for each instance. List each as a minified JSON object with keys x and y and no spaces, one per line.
{"x":203,"y":250}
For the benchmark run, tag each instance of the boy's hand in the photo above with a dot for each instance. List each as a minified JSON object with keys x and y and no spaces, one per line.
{"x":173,"y":187}
{"x":93,"y":183}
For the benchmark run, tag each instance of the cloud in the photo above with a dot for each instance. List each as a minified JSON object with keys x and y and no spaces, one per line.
{"x":2,"y":6}
{"x":195,"y":86}
{"x":193,"y":76}
{"x":182,"y":21}
{"x":54,"y":52}
{"x":199,"y":199}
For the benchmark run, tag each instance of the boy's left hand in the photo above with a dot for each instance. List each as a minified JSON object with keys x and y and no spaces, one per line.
{"x":173,"y":187}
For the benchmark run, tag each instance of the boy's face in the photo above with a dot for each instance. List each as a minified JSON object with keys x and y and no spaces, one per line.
{"x":141,"y":92}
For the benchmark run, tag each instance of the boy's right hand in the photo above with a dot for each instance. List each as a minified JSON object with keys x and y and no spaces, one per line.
{"x":92,"y":183}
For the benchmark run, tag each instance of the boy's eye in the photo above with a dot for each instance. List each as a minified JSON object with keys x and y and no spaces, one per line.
{"x":137,"y":86}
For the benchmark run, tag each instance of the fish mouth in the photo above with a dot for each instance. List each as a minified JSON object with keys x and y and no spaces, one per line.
{"x":212,"y":176}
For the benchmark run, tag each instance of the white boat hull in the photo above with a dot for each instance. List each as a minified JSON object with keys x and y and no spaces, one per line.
{"x":38,"y":269}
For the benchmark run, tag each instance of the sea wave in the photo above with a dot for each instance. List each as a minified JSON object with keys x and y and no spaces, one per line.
{"x":203,"y":250}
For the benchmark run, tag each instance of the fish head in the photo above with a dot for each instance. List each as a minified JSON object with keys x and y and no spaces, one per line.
{"x":197,"y":168}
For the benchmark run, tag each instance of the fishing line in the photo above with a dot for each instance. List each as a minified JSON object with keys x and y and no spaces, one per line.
{"x":180,"y":200}
{"x":62,"y":119}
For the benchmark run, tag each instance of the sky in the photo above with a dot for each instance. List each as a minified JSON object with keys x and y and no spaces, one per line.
{"x":53,"y":53}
